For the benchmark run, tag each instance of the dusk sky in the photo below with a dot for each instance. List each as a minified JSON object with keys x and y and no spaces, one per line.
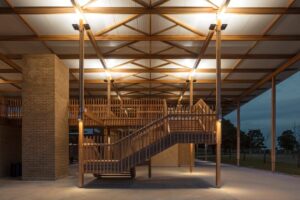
{"x":257,"y":113}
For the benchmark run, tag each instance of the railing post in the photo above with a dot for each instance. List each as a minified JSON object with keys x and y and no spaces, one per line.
{"x":149,"y":169}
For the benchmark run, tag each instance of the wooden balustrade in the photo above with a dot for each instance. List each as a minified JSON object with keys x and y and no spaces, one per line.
{"x":10,"y":108}
{"x":129,"y":112}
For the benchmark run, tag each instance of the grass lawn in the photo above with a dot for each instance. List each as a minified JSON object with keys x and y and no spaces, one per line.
{"x":258,"y":163}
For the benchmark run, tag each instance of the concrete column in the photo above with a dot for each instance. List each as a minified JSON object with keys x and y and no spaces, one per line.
{"x":45,"y":99}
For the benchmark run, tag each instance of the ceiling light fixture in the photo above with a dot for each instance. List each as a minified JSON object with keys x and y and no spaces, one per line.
{"x":213,"y":27}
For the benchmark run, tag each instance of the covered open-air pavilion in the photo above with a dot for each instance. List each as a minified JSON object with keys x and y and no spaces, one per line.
{"x":130,"y":88}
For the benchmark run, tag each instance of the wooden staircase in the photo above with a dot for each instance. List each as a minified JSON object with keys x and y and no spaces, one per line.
{"x":162,"y":127}
{"x":185,"y":125}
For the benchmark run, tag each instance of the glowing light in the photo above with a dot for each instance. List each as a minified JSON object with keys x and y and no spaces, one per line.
{"x":193,"y":73}
{"x":78,"y":11}
{"x":108,"y":74}
{"x":222,"y":12}
{"x":82,"y":2}
{"x":221,"y":16}
{"x":120,"y":99}
{"x":79,"y":14}
{"x":180,"y":98}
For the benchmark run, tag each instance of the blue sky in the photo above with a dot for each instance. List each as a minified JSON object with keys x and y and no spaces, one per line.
{"x":257,"y":113}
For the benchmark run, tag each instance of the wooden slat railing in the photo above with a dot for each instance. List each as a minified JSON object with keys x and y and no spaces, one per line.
{"x":10,"y":108}
{"x":129,"y":112}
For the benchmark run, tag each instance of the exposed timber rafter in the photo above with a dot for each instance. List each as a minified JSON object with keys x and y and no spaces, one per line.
{"x":165,"y":56}
{"x":149,"y":10}
{"x":153,"y":37}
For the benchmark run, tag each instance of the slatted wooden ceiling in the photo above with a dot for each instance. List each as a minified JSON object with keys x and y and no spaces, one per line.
{"x":151,"y":46}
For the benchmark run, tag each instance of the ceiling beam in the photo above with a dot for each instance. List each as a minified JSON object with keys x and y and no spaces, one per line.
{"x":141,"y":3}
{"x":203,"y":49}
{"x":165,"y":56}
{"x":140,"y":81}
{"x":175,"y":70}
{"x":149,"y":10}
{"x":168,"y":96}
{"x":160,"y":89}
{"x":159,"y":3}
{"x":150,"y":38}
{"x":268,"y":77}
{"x":10,"y":63}
{"x":268,"y":28}
{"x":117,"y":25}
{"x":183,"y":25}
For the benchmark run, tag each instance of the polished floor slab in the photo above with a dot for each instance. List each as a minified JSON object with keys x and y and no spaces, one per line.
{"x":166,"y":183}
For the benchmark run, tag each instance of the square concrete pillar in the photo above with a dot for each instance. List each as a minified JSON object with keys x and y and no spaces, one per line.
{"x":45,"y":99}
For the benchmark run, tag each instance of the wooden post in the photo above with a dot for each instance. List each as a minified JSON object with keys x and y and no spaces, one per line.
{"x":238,"y":134}
{"x":108,"y":142}
{"x":218,"y":104}
{"x":273,"y":137}
{"x":108,"y":96}
{"x":191,"y":106}
{"x":205,"y":152}
{"x":149,"y":169}
{"x":81,"y":104}
{"x":191,"y":157}
{"x":80,"y":152}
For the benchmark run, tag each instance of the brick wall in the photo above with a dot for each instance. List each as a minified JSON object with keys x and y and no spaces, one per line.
{"x":10,"y":148}
{"x":45,"y":97}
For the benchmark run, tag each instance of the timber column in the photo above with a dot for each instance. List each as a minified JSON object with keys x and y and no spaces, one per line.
{"x":192,"y":156}
{"x":218,"y":104}
{"x":273,"y":136}
{"x":238,"y":134}
{"x":45,"y":129}
{"x":81,"y":104}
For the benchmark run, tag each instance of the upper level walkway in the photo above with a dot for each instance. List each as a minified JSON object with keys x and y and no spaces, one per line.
{"x":128,"y":112}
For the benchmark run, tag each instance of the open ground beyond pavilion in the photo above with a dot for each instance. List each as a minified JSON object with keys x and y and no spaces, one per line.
{"x":129,"y":88}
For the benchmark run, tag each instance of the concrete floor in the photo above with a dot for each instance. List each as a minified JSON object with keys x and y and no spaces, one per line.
{"x":166,"y":183}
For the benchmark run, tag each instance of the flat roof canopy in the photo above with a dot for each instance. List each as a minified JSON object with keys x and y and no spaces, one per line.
{"x":151,"y":47}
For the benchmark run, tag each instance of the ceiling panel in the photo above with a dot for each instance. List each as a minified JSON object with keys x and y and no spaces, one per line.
{"x":277,"y":47}
{"x":12,"y":25}
{"x":261,"y":63}
{"x":287,"y":25}
{"x":23,"y":47}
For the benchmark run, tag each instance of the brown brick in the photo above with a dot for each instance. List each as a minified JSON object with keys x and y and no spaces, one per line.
{"x":45,"y":97}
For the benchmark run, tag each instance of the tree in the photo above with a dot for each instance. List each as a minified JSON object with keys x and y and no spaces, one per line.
{"x":256,"y":139}
{"x":287,"y":141}
{"x":229,"y":136}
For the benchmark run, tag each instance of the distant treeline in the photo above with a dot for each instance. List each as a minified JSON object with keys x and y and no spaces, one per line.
{"x":254,"y":139}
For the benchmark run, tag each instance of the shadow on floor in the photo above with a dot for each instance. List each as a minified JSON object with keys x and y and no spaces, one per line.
{"x":153,"y":183}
